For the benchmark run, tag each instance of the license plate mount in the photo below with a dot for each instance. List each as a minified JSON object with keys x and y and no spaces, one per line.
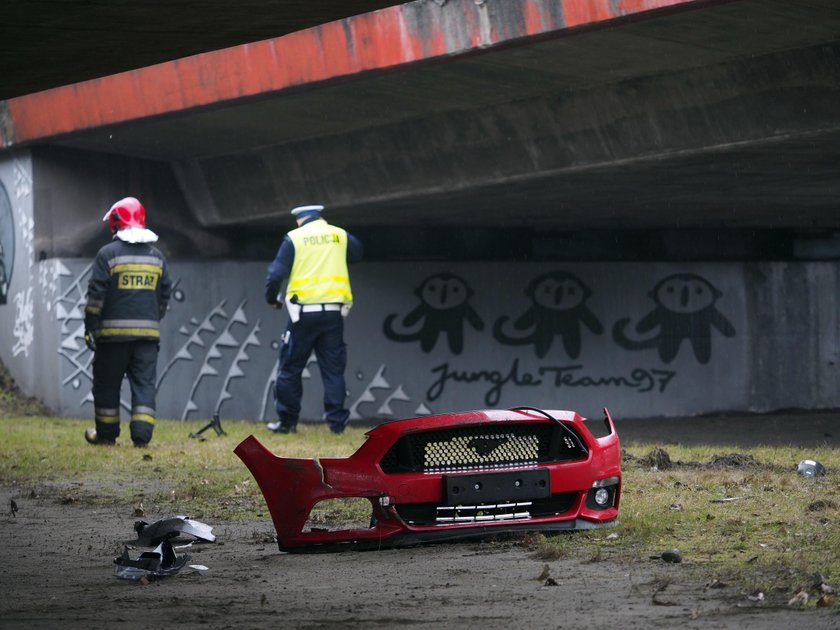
{"x":495,"y":487}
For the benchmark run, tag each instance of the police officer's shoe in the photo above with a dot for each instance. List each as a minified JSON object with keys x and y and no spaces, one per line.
{"x":279,"y":427}
{"x":139,"y":443}
{"x":92,"y":438}
{"x":337,"y":428}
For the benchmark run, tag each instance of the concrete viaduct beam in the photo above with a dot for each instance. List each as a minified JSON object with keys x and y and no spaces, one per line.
{"x":540,"y":114}
{"x":631,"y":153}
{"x":388,"y":39}
{"x":44,"y":44}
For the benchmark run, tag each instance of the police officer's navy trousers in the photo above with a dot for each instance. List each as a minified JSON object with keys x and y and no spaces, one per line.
{"x":322,"y":332}
{"x":112,"y":361}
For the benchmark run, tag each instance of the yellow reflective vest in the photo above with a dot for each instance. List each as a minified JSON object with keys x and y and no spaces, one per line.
{"x":319,"y":273}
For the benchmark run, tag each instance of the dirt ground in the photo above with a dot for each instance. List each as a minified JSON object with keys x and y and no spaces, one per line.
{"x":57,"y":571}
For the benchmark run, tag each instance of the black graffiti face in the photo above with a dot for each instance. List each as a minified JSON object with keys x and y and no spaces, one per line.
{"x":684,"y":309}
{"x":558,"y":292}
{"x":685,"y":293}
{"x":444,"y":309}
{"x":443,"y":292}
{"x":7,"y":245}
{"x":558,"y":308}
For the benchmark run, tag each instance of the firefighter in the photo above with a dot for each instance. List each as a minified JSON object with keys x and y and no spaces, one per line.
{"x":127,"y":295}
{"x":314,"y":258}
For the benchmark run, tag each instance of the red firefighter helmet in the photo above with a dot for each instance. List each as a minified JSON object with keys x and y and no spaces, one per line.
{"x":126,"y":213}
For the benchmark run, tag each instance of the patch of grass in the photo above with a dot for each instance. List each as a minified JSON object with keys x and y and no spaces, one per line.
{"x":176,"y":474}
{"x":780,"y":529}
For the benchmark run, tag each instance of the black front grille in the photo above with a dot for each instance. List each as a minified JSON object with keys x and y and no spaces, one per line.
{"x":481,"y":447}
{"x":426,"y":514}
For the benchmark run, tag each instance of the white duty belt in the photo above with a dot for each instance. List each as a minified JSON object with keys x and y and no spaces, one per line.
{"x":296,"y":309}
{"x":316,"y":308}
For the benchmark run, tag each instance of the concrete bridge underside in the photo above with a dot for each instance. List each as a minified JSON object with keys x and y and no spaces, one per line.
{"x":529,"y":115}
{"x":613,"y":154}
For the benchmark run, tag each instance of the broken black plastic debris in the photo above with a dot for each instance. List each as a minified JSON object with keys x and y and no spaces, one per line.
{"x":173,"y":527}
{"x":159,"y":563}
{"x":215,"y":424}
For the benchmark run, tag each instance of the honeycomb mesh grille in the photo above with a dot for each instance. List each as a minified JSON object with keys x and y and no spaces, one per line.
{"x":470,"y":451}
{"x":481,"y":447}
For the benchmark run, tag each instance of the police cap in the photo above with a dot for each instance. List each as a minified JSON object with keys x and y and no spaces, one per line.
{"x":303,"y":211}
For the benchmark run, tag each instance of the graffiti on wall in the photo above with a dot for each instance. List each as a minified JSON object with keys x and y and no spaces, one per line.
{"x":224,"y":359}
{"x":557,"y":308}
{"x":217,"y":351}
{"x":684,"y":311}
{"x":4,"y":278}
{"x":23,"y":328}
{"x":557,"y":311}
{"x":7,"y":245}
{"x":226,"y":339}
{"x":69,"y":311}
{"x":209,"y":338}
{"x":23,"y":190}
{"x":383,"y":409}
{"x":639,"y":380}
{"x":444,"y":309}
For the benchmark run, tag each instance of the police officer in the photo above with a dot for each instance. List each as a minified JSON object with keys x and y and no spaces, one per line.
{"x":314,"y":257}
{"x":127,"y":294}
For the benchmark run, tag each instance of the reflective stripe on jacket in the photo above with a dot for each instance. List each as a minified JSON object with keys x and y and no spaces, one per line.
{"x":319,"y":273}
{"x":128,"y":291}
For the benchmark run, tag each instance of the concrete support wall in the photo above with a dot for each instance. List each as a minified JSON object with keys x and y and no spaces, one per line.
{"x":26,"y":330}
{"x":642,"y":339}
{"x":645,"y":339}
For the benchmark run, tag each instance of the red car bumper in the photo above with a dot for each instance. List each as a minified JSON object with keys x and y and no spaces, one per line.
{"x":450,"y":476}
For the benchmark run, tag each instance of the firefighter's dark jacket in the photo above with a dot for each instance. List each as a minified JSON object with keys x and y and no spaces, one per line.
{"x":128,"y":292}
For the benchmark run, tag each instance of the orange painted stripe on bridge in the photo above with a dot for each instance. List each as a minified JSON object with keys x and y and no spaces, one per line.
{"x":379,"y":40}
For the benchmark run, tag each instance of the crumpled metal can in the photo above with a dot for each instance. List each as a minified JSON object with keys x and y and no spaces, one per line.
{"x":810,"y":468}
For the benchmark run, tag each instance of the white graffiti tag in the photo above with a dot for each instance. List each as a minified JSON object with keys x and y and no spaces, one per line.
{"x":23,"y":180}
{"x":24,"y":322}
{"x":23,"y":189}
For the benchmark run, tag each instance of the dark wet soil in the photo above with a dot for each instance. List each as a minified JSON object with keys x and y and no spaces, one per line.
{"x":57,"y":571}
